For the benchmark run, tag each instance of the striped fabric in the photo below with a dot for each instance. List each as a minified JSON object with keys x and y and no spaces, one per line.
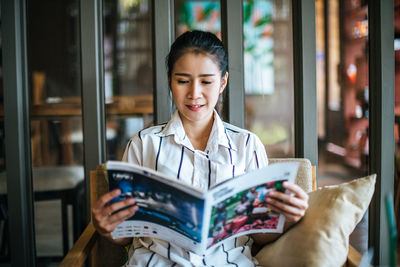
{"x":230,"y":151}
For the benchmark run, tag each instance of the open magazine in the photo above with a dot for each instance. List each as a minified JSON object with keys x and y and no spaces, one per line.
{"x":193,"y":219}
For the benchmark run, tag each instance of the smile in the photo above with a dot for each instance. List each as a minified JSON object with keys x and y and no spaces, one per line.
{"x":194,"y":107}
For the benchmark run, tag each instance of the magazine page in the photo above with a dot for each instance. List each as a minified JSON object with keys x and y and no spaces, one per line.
{"x":236,"y":207}
{"x":167,"y":210}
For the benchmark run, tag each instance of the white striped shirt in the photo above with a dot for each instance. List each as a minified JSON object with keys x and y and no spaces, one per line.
{"x":230,"y":151}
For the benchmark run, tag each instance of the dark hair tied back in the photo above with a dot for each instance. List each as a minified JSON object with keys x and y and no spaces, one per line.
{"x":197,"y":42}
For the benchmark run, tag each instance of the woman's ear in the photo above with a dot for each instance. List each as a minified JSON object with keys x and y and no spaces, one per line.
{"x":224,"y":82}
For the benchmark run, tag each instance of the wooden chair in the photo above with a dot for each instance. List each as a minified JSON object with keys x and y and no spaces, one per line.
{"x":106,"y":254}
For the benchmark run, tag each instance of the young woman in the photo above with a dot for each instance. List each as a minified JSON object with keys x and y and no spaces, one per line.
{"x":196,"y":147}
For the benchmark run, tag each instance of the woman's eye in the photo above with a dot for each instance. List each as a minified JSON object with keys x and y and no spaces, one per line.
{"x":182,"y":81}
{"x":206,"y":82}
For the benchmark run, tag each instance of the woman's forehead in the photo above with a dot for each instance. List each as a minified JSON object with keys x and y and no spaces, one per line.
{"x":196,"y":62}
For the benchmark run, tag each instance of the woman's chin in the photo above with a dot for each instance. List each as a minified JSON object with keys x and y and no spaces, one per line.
{"x":196,"y":117}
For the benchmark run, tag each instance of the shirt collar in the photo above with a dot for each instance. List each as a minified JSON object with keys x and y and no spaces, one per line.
{"x":174,"y":127}
{"x":219,"y":134}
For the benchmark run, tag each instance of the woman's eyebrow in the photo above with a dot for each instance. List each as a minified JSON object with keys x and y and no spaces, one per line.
{"x":188,"y":75}
{"x":182,"y":74}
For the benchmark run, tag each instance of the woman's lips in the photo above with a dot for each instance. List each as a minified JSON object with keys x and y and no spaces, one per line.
{"x":194,"y":107}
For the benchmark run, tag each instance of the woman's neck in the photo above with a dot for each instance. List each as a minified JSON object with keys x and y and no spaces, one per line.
{"x":198,"y":133}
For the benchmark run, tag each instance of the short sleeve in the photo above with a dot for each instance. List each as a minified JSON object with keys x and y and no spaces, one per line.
{"x":134,"y":151}
{"x":257,"y":155}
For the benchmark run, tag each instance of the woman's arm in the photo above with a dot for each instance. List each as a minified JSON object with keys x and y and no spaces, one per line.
{"x":106,"y":219}
{"x":293,"y":206}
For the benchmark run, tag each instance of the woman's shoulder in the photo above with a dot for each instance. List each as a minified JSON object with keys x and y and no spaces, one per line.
{"x":151,"y":131}
{"x":239,"y":134}
{"x":236,"y":130}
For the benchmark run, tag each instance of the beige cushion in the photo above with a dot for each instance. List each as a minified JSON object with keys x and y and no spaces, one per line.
{"x":304,"y":173}
{"x":321,"y":238}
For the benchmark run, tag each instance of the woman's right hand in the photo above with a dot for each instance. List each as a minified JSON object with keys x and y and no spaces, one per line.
{"x":103,"y":216}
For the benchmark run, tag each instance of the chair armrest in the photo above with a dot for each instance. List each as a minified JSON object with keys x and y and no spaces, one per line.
{"x":77,"y":255}
{"x":353,"y":257}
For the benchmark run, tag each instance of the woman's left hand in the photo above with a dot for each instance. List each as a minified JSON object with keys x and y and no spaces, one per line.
{"x":293,"y":205}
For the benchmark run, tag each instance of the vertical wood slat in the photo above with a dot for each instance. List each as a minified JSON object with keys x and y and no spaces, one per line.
{"x":163,"y":36}
{"x":305,"y":94}
{"x":381,"y":130}
{"x":232,"y":37}
{"x":93,"y":108}
{"x":17,"y":133}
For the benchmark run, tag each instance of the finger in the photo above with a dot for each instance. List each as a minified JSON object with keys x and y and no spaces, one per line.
{"x":109,"y":224}
{"x":288,"y":199}
{"x":105,"y":199}
{"x":286,"y":213}
{"x":289,"y":215}
{"x":114,"y":225}
{"x":285,"y":207}
{"x":122,"y":215}
{"x":117,"y":206}
{"x":297,"y":190}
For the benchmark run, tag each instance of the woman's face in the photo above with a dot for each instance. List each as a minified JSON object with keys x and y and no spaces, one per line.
{"x":196,"y":84}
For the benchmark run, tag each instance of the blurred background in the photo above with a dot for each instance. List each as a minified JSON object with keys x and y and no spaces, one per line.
{"x":54,"y":70}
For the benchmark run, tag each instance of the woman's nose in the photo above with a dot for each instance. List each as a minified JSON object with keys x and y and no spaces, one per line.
{"x":195,"y":90}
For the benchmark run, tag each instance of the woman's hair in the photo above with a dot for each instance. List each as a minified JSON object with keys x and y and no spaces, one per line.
{"x":198,"y":42}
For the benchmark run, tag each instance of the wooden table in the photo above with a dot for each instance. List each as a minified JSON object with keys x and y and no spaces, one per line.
{"x":70,"y":108}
